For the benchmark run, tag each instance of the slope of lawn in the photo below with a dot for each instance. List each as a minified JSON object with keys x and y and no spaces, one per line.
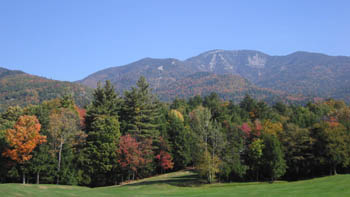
{"x":185,"y":183}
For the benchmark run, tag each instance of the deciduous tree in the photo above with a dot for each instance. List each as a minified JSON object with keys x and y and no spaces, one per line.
{"x":63,"y":127}
{"x":23,"y":138}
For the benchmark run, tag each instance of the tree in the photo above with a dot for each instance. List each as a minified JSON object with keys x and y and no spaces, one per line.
{"x":209,"y":138}
{"x":208,"y":166}
{"x":332,"y":145}
{"x":232,"y":166}
{"x":195,"y":101}
{"x":105,"y":102}
{"x":213,"y":102}
{"x":272,"y":128}
{"x":101,"y":143}
{"x":201,"y":124}
{"x":43,"y":163}
{"x":140,"y":112}
{"x":180,"y":139}
{"x":274,"y":163}
{"x":164,"y":159}
{"x":99,"y":158}
{"x":63,"y":128}
{"x":130,"y":155}
{"x":255,"y":155}
{"x":10,"y":116}
{"x":22,"y":139}
{"x":248,"y":104}
{"x":297,"y":145}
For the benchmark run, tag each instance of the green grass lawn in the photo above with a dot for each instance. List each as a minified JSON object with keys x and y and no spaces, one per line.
{"x":185,"y":183}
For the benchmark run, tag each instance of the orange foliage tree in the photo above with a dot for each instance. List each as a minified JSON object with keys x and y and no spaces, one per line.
{"x":22,"y":139}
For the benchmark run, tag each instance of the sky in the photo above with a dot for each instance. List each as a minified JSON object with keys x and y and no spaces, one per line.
{"x":71,"y":39}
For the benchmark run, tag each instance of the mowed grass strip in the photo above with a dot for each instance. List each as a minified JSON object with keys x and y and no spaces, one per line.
{"x":186,"y":183}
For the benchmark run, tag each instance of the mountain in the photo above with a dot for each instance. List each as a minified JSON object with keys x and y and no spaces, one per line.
{"x":159,"y":72}
{"x":309,"y":74}
{"x":299,"y":73}
{"x":19,"y":88}
{"x":227,"y":86}
{"x":6,"y":72}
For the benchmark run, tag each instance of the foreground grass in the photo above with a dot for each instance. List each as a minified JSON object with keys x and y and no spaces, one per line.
{"x":186,"y":183}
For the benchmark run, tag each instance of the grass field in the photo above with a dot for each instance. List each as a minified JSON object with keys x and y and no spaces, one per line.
{"x":185,"y":183}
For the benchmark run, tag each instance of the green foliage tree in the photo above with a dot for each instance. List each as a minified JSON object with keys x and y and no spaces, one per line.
{"x":99,"y":157}
{"x":209,"y":144}
{"x":232,"y":166}
{"x":274,"y":163}
{"x":141,"y":112}
{"x":208,"y":165}
{"x":180,"y":139}
{"x":255,"y":154}
{"x":332,"y":145}
{"x":63,"y":128}
{"x":297,"y":145}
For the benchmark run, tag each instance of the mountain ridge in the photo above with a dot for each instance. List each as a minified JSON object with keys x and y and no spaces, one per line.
{"x":298,"y":73}
{"x":20,"y":88}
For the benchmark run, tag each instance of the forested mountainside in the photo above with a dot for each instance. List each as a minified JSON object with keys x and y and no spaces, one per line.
{"x":297,"y":77}
{"x":227,"y":86}
{"x":299,"y":73}
{"x":19,"y":88}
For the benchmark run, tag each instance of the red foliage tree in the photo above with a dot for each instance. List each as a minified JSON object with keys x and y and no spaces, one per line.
{"x":246,"y":129}
{"x":165,"y":160}
{"x":129,"y":153}
{"x":82,"y":114}
{"x":163,"y":157}
{"x":252,"y":130}
{"x":133,"y":154}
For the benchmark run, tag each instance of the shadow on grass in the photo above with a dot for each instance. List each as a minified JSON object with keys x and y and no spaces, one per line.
{"x":191,"y":180}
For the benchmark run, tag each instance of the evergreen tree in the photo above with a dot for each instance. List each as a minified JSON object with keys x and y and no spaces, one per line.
{"x":141,"y":113}
{"x":99,"y":157}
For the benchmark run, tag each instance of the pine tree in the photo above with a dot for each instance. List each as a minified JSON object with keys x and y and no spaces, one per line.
{"x":141,"y":112}
{"x":99,"y":159}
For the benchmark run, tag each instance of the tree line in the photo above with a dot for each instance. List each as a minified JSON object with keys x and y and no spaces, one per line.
{"x":119,"y":138}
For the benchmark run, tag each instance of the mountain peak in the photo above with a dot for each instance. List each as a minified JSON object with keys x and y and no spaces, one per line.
{"x":301,"y":73}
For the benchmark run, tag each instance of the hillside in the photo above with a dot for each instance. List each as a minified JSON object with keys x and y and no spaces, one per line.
{"x":299,"y":73}
{"x":19,"y":88}
{"x":227,"y":86}
{"x":159,"y":72}
{"x":185,"y":183}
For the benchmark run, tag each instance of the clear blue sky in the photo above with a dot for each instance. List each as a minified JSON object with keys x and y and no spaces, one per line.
{"x":68,"y":40}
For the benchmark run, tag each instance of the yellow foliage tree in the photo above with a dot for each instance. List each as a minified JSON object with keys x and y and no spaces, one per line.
{"x":272,"y":128}
{"x":176,"y":114}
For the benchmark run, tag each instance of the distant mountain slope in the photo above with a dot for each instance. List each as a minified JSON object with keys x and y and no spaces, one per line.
{"x":6,"y":72}
{"x":246,"y":63}
{"x":159,"y":72}
{"x":299,"y":73}
{"x":229,"y":87}
{"x":310,"y":74}
{"x":19,"y":88}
